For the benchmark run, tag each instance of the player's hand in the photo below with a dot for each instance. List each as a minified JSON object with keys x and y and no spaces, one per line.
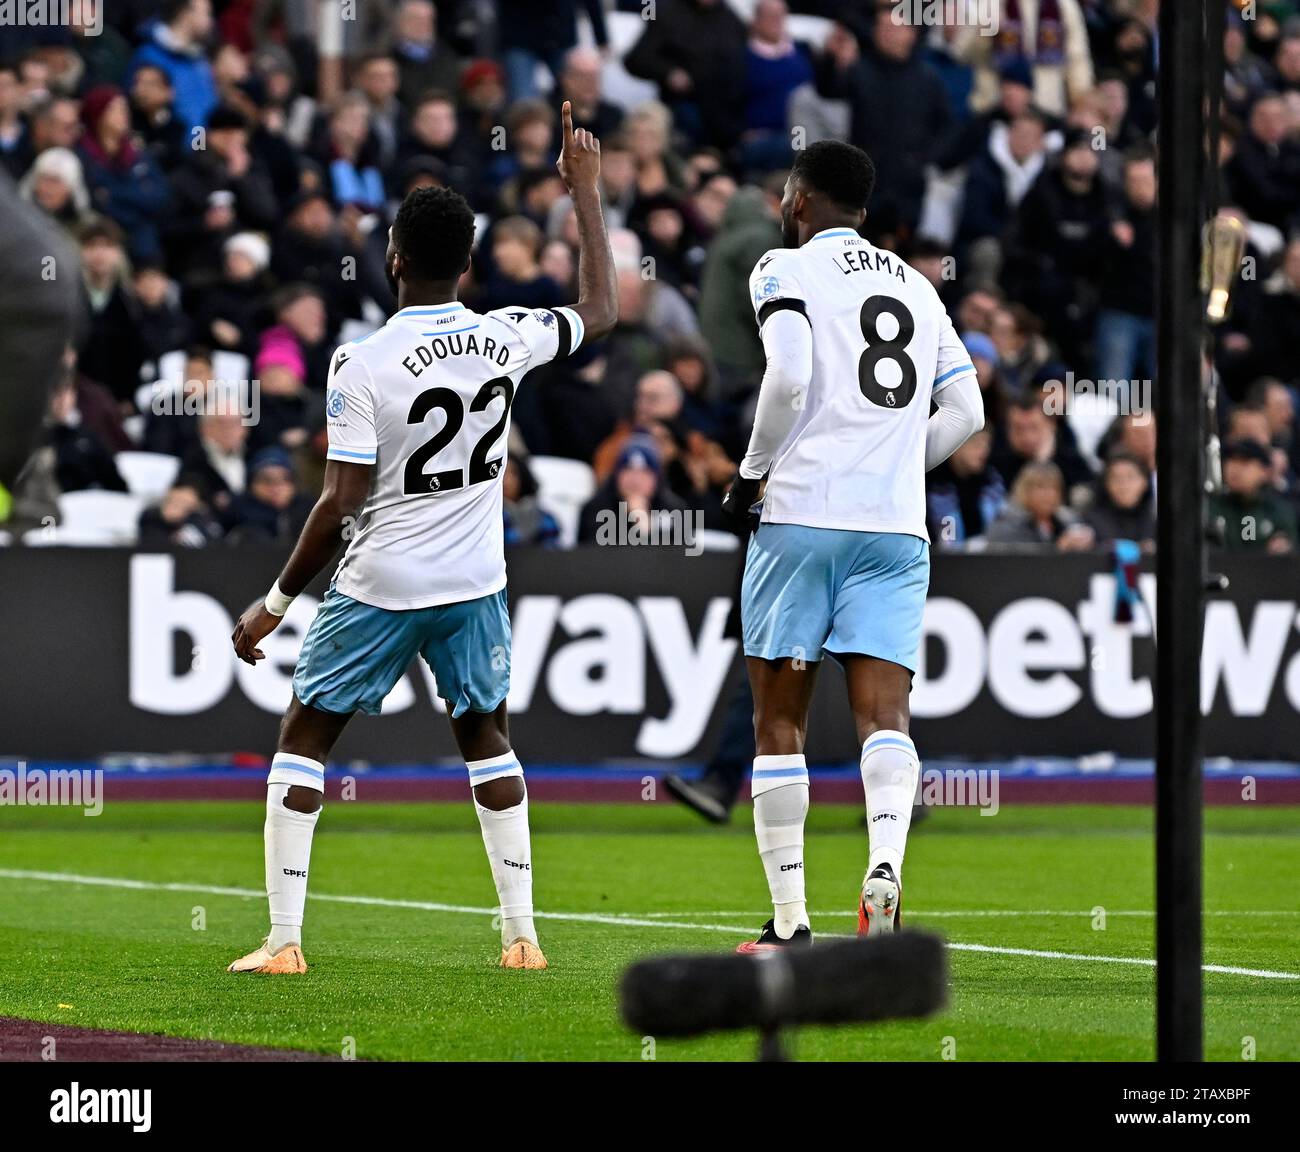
{"x":738,"y":499}
{"x":253,"y":625}
{"x":579,"y":161}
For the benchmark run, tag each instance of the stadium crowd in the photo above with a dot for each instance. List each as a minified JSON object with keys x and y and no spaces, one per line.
{"x":228,"y":171}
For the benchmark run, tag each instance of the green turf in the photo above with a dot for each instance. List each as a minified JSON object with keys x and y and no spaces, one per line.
{"x":417,"y":984}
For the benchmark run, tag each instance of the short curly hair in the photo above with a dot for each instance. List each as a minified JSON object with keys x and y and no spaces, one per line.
{"x":841,"y":172}
{"x":434,"y":231}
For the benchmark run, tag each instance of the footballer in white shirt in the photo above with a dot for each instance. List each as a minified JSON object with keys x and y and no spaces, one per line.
{"x":418,"y":415}
{"x":858,"y":348}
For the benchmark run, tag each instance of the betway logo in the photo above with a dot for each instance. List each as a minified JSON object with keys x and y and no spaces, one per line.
{"x":602,"y":665}
{"x":1039,"y":659}
{"x":602,"y":653}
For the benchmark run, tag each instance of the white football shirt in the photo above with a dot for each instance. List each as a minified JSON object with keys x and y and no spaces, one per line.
{"x":426,"y":399}
{"x":882,"y":347}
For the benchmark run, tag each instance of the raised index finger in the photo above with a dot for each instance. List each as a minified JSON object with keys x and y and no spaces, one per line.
{"x":566,"y":116}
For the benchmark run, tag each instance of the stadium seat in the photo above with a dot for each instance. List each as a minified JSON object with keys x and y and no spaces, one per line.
{"x":564,"y":486}
{"x":96,"y":517}
{"x":147,"y":474}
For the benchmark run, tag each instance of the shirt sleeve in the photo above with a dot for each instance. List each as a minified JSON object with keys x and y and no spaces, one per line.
{"x":774,"y":286}
{"x":548,"y":333}
{"x":350,"y":410}
{"x":953,"y":361}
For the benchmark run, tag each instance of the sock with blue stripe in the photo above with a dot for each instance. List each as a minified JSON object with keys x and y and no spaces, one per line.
{"x":509,"y":850}
{"x":287,"y":835}
{"x":890,"y":770}
{"x":780,"y":790}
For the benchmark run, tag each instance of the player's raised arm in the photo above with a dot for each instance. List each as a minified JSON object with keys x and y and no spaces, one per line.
{"x":579,"y":166}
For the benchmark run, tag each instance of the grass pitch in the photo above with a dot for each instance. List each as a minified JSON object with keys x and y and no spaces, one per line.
{"x":127,"y":921}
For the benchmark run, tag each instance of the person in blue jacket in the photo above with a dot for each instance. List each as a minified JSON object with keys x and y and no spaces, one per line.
{"x":176,"y":44}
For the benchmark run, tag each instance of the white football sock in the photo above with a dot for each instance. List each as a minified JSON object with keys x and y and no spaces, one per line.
{"x":509,"y":852}
{"x":780,"y":789}
{"x":287,"y":835}
{"x":890,"y":770}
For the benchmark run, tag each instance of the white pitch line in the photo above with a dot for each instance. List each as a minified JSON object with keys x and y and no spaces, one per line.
{"x":579,"y":917}
{"x":927,"y":913}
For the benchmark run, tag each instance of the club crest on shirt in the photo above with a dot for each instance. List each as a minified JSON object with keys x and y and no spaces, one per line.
{"x":766,"y":288}
{"x":335,"y":403}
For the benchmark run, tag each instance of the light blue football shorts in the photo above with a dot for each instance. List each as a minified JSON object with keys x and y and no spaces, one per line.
{"x":814,"y":591}
{"x":354,"y":653}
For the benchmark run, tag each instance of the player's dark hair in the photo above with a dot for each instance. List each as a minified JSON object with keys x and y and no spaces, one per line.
{"x":434,"y":231}
{"x":844,"y":174}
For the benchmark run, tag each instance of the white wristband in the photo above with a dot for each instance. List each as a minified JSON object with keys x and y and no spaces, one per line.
{"x":277,"y":603}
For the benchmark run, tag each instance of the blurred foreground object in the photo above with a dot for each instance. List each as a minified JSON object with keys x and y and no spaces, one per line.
{"x":845,"y":982}
{"x":38,"y":303}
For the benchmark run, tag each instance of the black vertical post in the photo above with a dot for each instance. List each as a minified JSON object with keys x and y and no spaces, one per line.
{"x":1180,"y":563}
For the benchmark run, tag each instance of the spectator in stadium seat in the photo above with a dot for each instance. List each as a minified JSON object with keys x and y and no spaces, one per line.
{"x":632,"y":498}
{"x":111,"y":348}
{"x":1126,"y":338}
{"x":997,"y":181}
{"x":162,"y":324}
{"x":900,"y":115}
{"x":351,"y":156}
{"x":1264,"y":173}
{"x":424,"y":59}
{"x":1051,"y":34}
{"x":1250,"y":515}
{"x":581,"y":83}
{"x":535,"y":34}
{"x":658,"y":398}
{"x":1036,"y":514}
{"x":1033,"y":436}
{"x":775,"y":65}
{"x":1054,"y":252}
{"x":15,"y":140}
{"x":218,"y":191}
{"x":750,"y":227}
{"x":124,"y":182}
{"x":280,"y":371}
{"x":173,"y":428}
{"x":516,"y":278}
{"x":1275,"y":333}
{"x":695,"y":52}
{"x":1278,"y":403}
{"x":81,"y":459}
{"x":153,"y":117}
{"x":526,"y":521}
{"x":970,"y":138}
{"x":433,"y":131}
{"x":310,"y":249}
{"x":964,"y":494}
{"x":55,"y":184}
{"x":378,"y":80}
{"x":1123,"y":504}
{"x":690,"y":360}
{"x":272,"y":506}
{"x":984,"y":355}
{"x":227,"y":313}
{"x":302,"y":309}
{"x":1023,"y":352}
{"x":668,"y":239}
{"x":218,"y":460}
{"x":54,"y":122}
{"x":175,"y":43}
{"x":180,"y":518}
